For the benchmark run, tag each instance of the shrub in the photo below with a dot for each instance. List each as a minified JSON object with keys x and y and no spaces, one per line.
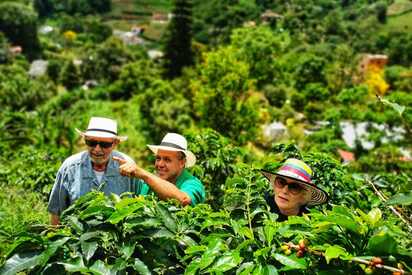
{"x":19,"y":24}
{"x":134,"y":78}
{"x":298,"y":101}
{"x":163,"y":110}
{"x":316,"y":92}
{"x":309,"y":69}
{"x":4,"y":49}
{"x":216,"y":158}
{"x":19,"y":92}
{"x":223,"y":97}
{"x":104,"y":62}
{"x":313,"y":111}
{"x":70,"y":75}
{"x":276,"y":95}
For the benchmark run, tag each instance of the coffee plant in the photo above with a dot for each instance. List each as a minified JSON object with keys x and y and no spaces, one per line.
{"x":140,"y":235}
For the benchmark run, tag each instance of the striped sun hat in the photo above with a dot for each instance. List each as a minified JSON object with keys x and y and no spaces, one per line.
{"x":301,"y":172}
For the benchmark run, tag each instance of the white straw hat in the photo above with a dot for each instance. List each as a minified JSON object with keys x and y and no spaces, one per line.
{"x":101,"y":127}
{"x":175,"y":142}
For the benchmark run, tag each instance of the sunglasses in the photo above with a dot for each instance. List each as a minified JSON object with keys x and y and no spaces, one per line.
{"x":293,"y":187}
{"x":102,"y":144}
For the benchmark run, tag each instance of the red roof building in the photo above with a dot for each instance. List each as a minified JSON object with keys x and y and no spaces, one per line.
{"x":346,"y":155}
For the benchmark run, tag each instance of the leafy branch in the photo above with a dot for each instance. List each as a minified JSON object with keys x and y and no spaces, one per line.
{"x":399,"y":109}
{"x":337,"y":252}
{"x":396,"y":212}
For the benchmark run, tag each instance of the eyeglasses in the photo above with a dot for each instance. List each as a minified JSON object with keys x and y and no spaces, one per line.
{"x":293,"y":187}
{"x":103,"y":144}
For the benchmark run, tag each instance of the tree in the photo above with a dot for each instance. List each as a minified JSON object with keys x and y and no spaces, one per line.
{"x":4,"y":49}
{"x":260,"y":47}
{"x":214,"y":20}
{"x":309,"y":69}
{"x":18,"y":91}
{"x":400,"y":48}
{"x":43,"y":7}
{"x":70,"y":75}
{"x":178,"y":46}
{"x":101,"y":6}
{"x":224,"y":98}
{"x":276,"y":95}
{"x":134,"y":78}
{"x":381,"y":10}
{"x":18,"y":23}
{"x":163,"y":110}
{"x":104,"y":62}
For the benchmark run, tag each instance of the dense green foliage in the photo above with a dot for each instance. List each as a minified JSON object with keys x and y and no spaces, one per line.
{"x":19,"y":24}
{"x":296,"y":63}
{"x":73,"y":7}
{"x":178,"y":40}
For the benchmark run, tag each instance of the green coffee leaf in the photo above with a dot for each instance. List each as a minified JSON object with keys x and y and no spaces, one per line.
{"x":20,"y":262}
{"x":88,"y":249}
{"x":227,"y":261}
{"x":269,"y":270}
{"x":245,"y":268}
{"x":100,"y":267}
{"x":75,"y":265}
{"x":400,"y":199}
{"x":334,"y":252}
{"x":140,"y":267}
{"x":122,"y":213}
{"x":374,"y":216}
{"x":213,"y":250}
{"x":167,"y":218}
{"x":382,"y":244}
{"x":127,"y":250}
{"x":291,"y":262}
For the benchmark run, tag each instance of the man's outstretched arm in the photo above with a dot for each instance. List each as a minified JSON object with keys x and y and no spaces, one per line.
{"x":163,"y":188}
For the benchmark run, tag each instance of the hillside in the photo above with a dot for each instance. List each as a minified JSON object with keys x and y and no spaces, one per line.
{"x":249,"y":84}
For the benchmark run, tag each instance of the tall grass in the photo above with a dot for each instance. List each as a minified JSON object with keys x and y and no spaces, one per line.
{"x":19,"y":209}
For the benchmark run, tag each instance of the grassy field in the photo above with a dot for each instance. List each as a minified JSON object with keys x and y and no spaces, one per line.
{"x":153,"y":5}
{"x":399,"y":7}
{"x":401,"y":23}
{"x":19,"y":208}
{"x":128,"y":13}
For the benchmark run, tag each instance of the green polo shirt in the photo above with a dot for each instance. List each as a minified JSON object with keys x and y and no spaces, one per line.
{"x":186,"y":182}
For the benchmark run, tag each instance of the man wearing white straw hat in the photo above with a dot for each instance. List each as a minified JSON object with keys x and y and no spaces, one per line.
{"x":172,"y":179}
{"x":91,"y":169}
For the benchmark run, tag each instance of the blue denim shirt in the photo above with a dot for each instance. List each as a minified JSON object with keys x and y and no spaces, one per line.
{"x":76,"y":178}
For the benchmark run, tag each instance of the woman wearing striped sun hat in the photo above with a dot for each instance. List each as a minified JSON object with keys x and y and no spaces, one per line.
{"x":293,"y":189}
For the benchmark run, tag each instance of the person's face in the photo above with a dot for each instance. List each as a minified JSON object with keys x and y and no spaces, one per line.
{"x":169,"y":164}
{"x":100,"y":149}
{"x":289,"y":194}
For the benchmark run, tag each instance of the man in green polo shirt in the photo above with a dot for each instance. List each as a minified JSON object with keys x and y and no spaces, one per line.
{"x":172,"y":179}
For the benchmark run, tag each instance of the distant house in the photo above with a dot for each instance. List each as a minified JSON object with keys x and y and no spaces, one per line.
{"x":77,"y":62}
{"x":346,"y":156}
{"x":270,"y":16}
{"x":90,"y":84}
{"x":38,"y":68}
{"x":128,"y":38}
{"x":274,"y":131}
{"x":15,"y":50}
{"x":137,"y":30}
{"x":155,"y":54}
{"x":369,"y":61}
{"x":249,"y":24}
{"x":46,"y":29}
{"x":161,"y":18}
